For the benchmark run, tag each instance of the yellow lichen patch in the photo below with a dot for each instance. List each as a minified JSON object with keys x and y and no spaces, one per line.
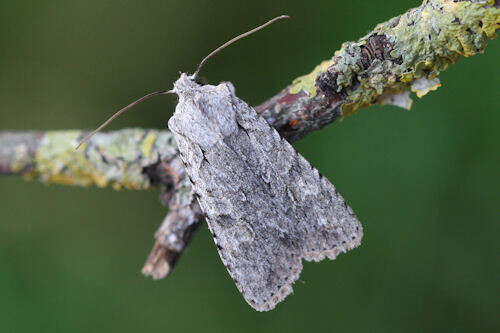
{"x":307,"y":82}
{"x":425,"y":15}
{"x":468,"y":49}
{"x":491,"y":22}
{"x":351,"y":108}
{"x":450,"y":6}
{"x":99,"y":179}
{"x":60,"y":179}
{"x":148,"y":143}
{"x":361,"y":98}
{"x":57,"y":161}
{"x":31,"y":175}
{"x":445,"y":31}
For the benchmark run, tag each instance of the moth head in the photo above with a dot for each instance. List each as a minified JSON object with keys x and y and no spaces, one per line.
{"x":185,"y":84}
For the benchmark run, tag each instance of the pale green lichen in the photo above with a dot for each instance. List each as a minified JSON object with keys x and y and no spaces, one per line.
{"x":114,"y":159}
{"x":437,"y":35}
{"x":425,"y":41}
{"x":58,"y":162}
{"x":428,"y":39}
{"x":306,"y":82}
{"x":349,"y":58}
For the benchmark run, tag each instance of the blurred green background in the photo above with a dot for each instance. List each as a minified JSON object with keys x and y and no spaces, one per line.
{"x":425,"y":183}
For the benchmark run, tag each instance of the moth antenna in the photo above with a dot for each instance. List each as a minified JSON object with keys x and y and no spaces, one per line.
{"x":114,"y":116}
{"x":226,"y":44}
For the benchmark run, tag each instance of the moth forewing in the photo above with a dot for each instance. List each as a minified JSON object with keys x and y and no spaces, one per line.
{"x":266,"y":207}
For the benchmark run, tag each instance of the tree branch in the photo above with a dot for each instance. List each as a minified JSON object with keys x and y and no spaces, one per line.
{"x":404,"y":54}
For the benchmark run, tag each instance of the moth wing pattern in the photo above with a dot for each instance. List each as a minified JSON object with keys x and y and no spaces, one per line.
{"x":266,"y":206}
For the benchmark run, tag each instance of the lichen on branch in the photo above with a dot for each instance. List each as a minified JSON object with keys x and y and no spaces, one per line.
{"x":116,"y":159}
{"x":405,"y":53}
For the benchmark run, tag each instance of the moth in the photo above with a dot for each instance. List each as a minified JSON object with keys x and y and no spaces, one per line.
{"x":266,"y":207}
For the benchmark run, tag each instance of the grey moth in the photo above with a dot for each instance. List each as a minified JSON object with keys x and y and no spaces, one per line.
{"x":265,"y":205}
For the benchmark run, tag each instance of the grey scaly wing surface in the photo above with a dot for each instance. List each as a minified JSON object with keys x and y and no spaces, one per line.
{"x":266,"y":207}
